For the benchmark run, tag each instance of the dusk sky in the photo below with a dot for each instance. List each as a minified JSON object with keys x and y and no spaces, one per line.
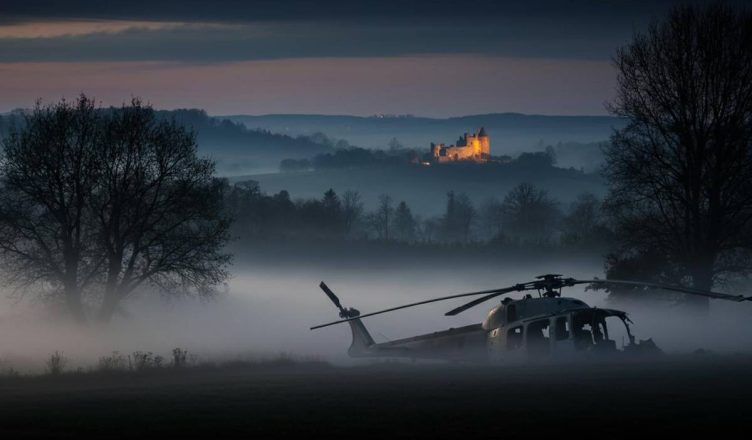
{"x":425,"y":57}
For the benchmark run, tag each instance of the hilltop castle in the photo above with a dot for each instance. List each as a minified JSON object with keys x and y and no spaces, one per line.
{"x":474,"y":147}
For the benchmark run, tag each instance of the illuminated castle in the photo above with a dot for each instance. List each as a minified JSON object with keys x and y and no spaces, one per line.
{"x":474,"y":147}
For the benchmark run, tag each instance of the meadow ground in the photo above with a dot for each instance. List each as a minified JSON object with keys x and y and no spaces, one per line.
{"x":699,"y":394}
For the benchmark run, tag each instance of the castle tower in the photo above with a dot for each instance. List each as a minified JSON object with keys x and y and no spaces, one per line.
{"x":485,"y":142}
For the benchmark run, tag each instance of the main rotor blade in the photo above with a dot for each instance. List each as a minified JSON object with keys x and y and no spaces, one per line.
{"x":428,"y":301}
{"x":687,"y":290}
{"x":482,"y":299}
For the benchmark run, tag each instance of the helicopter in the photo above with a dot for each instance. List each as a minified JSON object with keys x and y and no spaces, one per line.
{"x":548,"y":326}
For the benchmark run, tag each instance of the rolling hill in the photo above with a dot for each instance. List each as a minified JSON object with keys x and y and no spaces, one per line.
{"x":511,"y":133}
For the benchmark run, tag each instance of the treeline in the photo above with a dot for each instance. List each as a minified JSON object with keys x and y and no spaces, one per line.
{"x":526,"y":215}
{"x":345,"y":155}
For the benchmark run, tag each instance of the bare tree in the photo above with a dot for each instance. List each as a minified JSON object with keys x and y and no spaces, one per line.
{"x":158,"y":208}
{"x":112,"y":199}
{"x":381,"y":219}
{"x":48,"y":174}
{"x":529,"y":213}
{"x":492,"y":217}
{"x":680,"y":172}
{"x":404,"y":223}
{"x":584,"y":223}
{"x":352,"y":209}
{"x":459,"y":217}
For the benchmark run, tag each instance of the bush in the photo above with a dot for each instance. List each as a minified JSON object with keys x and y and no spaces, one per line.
{"x":114,"y":362}
{"x":56,"y":364}
{"x":145,"y":361}
{"x":179,"y":357}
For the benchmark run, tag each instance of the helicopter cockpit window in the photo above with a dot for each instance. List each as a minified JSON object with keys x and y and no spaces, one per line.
{"x":514,"y":338}
{"x":562,"y":328}
{"x":617,"y":331}
{"x":582,"y":329}
{"x":538,"y":336}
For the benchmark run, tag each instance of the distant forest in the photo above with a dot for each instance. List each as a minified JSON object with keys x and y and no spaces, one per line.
{"x":355,"y":157}
{"x":525,"y":216}
{"x":239,"y":150}
{"x":510,"y":133}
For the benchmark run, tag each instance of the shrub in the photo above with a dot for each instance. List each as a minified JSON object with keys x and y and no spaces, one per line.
{"x":179,"y":357}
{"x":114,"y":362}
{"x":56,"y":363}
{"x":145,"y":360}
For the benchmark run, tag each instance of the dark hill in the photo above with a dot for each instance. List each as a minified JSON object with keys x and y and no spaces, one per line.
{"x":510,"y":133}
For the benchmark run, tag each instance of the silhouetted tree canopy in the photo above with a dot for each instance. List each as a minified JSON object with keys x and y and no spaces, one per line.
{"x":492,"y":217}
{"x":530,"y":215}
{"x":97,"y":203}
{"x":381,"y":219}
{"x":459,"y":218}
{"x":680,"y":172}
{"x":404,"y":225}
{"x":584,"y":224}
{"x":355,"y":157}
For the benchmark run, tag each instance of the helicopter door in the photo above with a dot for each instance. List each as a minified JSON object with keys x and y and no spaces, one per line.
{"x":563,"y":344}
{"x":514,"y":338}
{"x":511,"y":348}
{"x":538,"y":338}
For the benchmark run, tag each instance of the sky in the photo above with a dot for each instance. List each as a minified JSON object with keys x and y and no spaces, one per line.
{"x":429,"y":58}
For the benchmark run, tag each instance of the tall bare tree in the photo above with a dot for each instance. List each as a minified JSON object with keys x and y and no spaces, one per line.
{"x":382,"y":218}
{"x":96,"y":202}
{"x":404,"y":223}
{"x":48,"y":174}
{"x":680,"y":172}
{"x":157,"y":206}
{"x":352,"y":210}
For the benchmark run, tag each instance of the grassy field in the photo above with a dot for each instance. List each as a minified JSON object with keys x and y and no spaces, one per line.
{"x":698,"y":394}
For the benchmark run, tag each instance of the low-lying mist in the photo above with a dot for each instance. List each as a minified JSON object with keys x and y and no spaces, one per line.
{"x":268,"y":309}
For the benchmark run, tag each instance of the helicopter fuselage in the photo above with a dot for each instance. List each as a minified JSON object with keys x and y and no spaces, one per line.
{"x":529,"y":328}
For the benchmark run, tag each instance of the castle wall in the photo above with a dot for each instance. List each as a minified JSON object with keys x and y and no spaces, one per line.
{"x":471,"y":147}
{"x":457,"y":153}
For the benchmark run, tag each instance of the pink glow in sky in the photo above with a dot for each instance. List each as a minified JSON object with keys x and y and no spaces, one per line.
{"x":442,"y":85}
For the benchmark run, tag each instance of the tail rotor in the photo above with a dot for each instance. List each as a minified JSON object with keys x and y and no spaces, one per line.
{"x":343,"y":312}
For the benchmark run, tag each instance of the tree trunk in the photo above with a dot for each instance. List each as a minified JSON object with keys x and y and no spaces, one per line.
{"x":702,"y":279}
{"x":109,"y":305}
{"x":74,"y":304}
{"x":112,"y":289}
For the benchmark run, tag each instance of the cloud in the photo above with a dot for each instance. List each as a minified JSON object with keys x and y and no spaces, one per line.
{"x":68,"y":28}
{"x":425,"y":85}
{"x":220,"y":42}
{"x":291,"y":10}
{"x":234,"y":30}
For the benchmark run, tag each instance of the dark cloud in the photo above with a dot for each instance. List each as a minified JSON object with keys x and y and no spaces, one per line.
{"x":234,"y":30}
{"x":260,"y":10}
{"x":212,"y":43}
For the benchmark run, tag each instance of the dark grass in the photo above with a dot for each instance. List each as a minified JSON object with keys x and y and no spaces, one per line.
{"x":689,"y":395}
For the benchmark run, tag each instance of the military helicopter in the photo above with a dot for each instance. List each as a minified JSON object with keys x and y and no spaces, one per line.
{"x":543,"y":327}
